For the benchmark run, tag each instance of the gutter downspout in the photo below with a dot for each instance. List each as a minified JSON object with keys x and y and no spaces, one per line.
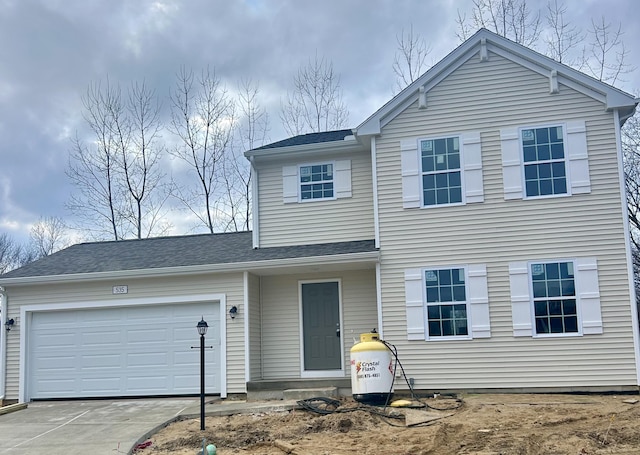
{"x":3,"y":342}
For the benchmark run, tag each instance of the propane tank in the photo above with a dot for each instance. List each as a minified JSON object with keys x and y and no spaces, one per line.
{"x":371,"y":370}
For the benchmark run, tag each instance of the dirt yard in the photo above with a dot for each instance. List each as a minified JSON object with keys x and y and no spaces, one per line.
{"x":478,"y":424}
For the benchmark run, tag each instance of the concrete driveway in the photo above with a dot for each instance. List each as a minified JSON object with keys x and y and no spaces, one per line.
{"x":102,"y":427}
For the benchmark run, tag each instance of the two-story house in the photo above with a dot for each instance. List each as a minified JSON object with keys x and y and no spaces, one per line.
{"x":477,"y":220}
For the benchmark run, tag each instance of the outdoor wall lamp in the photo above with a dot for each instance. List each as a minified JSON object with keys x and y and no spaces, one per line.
{"x":233,"y":312}
{"x":9,"y":324}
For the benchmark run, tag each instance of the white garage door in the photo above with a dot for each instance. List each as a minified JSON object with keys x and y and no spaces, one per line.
{"x":124,"y":351}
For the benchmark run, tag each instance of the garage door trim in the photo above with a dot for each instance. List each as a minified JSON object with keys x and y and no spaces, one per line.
{"x":27,"y":311}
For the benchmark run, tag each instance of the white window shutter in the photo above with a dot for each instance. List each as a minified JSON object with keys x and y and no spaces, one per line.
{"x":411,"y":197}
{"x":511,"y":160}
{"x":578,"y":161}
{"x":588,"y":295}
{"x":472,"y":156}
{"x":413,"y":283}
{"x":520,"y":299}
{"x":479,"y":301}
{"x":342,"y":178}
{"x":290,"y":184}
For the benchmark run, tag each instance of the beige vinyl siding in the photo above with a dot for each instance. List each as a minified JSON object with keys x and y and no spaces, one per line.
{"x":229,"y":284}
{"x":281,"y":317}
{"x":313,"y":222}
{"x":255,"y":331}
{"x":486,"y":97}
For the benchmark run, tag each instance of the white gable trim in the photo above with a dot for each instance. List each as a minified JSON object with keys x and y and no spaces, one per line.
{"x":609,"y":95}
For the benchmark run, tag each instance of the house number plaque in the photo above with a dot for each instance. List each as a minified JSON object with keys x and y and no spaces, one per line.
{"x":120,"y":289}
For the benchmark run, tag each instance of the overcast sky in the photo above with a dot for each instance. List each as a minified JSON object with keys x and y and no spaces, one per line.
{"x":51,"y":50}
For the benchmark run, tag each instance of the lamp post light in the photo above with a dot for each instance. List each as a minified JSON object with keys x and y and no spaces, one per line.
{"x":202,"y":330}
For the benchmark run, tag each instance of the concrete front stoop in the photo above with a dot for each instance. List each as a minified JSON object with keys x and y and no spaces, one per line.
{"x":297,"y":389}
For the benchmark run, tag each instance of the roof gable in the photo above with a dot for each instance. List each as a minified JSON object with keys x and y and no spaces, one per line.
{"x":480,"y":45}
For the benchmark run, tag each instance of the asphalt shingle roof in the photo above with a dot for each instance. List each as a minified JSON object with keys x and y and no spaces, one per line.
{"x":311,"y":138}
{"x":166,"y":252}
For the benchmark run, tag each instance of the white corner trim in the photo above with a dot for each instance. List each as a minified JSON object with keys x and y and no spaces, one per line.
{"x":627,"y":237}
{"x":374,"y":174}
{"x":245,"y":321}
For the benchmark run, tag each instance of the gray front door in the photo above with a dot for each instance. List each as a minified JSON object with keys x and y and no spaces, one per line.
{"x":321,"y":326}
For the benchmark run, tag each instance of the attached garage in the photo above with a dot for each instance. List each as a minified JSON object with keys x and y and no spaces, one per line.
{"x":143,"y":348}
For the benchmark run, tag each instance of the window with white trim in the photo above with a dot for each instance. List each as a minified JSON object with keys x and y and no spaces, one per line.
{"x":555,"y":297}
{"x":447,"y":303}
{"x":544,"y":161}
{"x":441,"y":171}
{"x":316,"y":181}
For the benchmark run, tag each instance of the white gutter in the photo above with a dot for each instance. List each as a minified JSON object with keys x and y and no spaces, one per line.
{"x":307,"y":261}
{"x":3,"y":342}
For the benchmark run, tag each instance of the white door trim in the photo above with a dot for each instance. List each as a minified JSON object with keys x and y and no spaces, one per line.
{"x":27,"y":311}
{"x":338,"y":373}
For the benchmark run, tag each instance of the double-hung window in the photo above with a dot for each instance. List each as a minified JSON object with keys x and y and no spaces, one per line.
{"x":441,"y":171}
{"x":316,"y":181}
{"x":544,"y":161}
{"x":554,"y":298}
{"x":446,"y":300}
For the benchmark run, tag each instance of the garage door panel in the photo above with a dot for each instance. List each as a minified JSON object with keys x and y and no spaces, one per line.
{"x":124,"y":351}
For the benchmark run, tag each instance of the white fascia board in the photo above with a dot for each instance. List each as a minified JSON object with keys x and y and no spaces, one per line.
{"x":372,"y":125}
{"x":349,"y":144}
{"x":612,"y":97}
{"x":364,"y":257}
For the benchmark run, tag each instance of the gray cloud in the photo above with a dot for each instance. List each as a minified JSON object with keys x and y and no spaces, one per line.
{"x":51,"y":50}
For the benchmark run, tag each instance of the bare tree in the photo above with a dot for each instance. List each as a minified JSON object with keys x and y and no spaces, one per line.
{"x":92,"y":169}
{"x":13,"y":255}
{"x":141,"y":153}
{"x":607,"y":55}
{"x":315,"y":104}
{"x":251,"y":131}
{"x":48,"y":235}
{"x":202,"y":117}
{"x":562,"y":37}
{"x":116,"y":175}
{"x":509,"y":18}
{"x":409,"y":62}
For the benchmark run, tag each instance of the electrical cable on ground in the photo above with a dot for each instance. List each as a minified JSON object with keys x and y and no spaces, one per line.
{"x":326,"y":406}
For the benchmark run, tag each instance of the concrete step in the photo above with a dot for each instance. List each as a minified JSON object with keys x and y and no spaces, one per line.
{"x":302,"y":394}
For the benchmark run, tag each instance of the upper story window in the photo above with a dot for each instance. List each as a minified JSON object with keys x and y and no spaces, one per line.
{"x":323,"y":181}
{"x":544,"y":161}
{"x":316,"y":181}
{"x":441,"y":171}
